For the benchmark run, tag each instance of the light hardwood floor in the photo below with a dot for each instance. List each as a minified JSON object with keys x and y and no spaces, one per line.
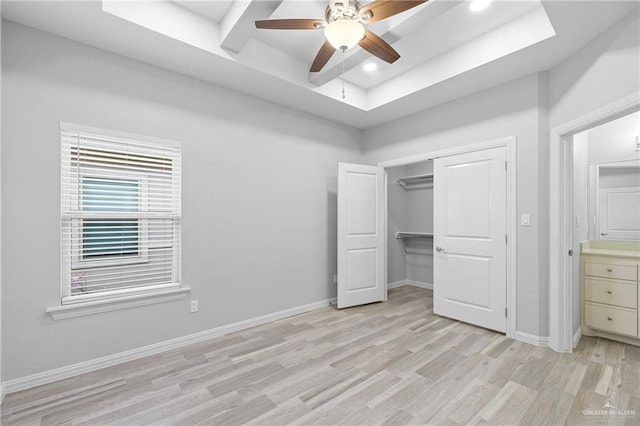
{"x":391,"y":363}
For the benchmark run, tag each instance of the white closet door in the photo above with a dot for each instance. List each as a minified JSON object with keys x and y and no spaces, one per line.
{"x":619,"y":213}
{"x":360,"y":235}
{"x":469,"y":238}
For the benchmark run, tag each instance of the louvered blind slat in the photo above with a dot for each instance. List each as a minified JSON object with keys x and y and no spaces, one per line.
{"x":120,"y":213}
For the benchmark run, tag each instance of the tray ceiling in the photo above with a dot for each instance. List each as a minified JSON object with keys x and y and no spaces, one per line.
{"x":446,"y":49}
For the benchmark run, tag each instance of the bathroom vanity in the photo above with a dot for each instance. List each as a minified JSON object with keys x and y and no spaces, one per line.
{"x":610,"y":289}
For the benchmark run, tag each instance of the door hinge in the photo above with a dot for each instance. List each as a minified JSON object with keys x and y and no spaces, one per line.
{"x":570,"y":252}
{"x":506,"y":239}
{"x":505,"y":312}
{"x":506,"y":167}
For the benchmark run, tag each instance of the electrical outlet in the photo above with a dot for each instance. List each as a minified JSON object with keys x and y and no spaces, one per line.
{"x":335,"y":278}
{"x":194,"y":306}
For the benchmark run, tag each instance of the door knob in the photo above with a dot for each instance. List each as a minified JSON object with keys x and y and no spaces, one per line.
{"x":439,"y":249}
{"x":603,"y":234}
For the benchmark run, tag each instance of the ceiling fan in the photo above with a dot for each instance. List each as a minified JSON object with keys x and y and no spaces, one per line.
{"x":343,"y":27}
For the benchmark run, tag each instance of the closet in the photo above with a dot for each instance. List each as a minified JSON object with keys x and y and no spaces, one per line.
{"x":410,"y":225}
{"x":446,"y":229}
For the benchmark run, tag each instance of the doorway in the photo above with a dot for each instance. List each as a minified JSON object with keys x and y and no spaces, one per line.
{"x":562,"y":311}
{"x":605,"y":164}
{"x":423,"y":243}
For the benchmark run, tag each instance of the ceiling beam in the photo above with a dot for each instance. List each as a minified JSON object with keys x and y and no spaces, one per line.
{"x":237,"y":27}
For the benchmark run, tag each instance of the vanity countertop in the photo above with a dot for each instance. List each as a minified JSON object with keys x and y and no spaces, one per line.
{"x":626,"y":249}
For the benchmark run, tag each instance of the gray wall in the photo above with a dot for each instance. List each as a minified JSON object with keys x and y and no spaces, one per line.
{"x":420,"y":219}
{"x":397,"y":220}
{"x":511,"y":109}
{"x":623,"y":177}
{"x":604,"y":71}
{"x":615,"y":141}
{"x":581,"y":227}
{"x":259,"y":198}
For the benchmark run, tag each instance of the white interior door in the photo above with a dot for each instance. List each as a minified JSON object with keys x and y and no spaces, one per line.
{"x":470,"y":238}
{"x":360,"y":235}
{"x":619,"y":213}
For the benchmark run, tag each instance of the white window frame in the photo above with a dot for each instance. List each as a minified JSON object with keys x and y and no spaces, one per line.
{"x":92,"y":303}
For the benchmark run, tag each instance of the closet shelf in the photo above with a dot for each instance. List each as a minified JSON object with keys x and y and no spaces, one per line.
{"x":409,"y":181}
{"x":403,"y":235}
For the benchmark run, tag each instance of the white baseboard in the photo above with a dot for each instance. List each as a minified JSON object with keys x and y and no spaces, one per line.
{"x":577,"y":336}
{"x":420,"y":284}
{"x":410,"y":282}
{"x":107,"y":361}
{"x":396,"y":284}
{"x":532,"y":339}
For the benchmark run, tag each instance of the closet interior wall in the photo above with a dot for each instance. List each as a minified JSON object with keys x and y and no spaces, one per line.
{"x":410,"y":210}
{"x":397,"y":221}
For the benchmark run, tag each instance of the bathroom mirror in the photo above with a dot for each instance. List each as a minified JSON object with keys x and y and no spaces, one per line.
{"x":614,"y":201}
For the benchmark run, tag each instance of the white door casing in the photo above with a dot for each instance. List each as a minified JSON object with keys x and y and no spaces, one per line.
{"x":360,"y":235}
{"x":470,"y":228}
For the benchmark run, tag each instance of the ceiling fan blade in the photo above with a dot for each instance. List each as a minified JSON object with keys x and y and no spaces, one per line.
{"x":323,"y":56}
{"x":373,"y":44}
{"x":290,"y":24}
{"x":381,"y":9}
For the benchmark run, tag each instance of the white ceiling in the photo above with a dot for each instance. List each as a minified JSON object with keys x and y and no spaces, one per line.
{"x":213,"y":10}
{"x":446,"y":50}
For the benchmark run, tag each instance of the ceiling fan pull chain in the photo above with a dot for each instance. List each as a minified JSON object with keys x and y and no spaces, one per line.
{"x":343,"y":94}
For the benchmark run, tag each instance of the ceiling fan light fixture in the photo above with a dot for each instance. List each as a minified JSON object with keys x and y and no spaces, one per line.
{"x":343,"y":34}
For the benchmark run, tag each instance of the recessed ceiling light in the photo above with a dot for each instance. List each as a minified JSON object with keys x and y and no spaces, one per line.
{"x":370,"y":66}
{"x":478,"y":5}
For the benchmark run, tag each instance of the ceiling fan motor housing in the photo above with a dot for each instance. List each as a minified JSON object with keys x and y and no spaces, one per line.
{"x":343,"y":9}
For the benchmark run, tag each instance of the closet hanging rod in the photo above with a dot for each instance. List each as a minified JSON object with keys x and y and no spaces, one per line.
{"x":402,"y":235}
{"x":414,"y":180}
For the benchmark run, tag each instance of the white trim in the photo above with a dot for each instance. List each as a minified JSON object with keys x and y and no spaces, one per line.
{"x":401,"y":283}
{"x":599,"y":116}
{"x":396,"y":284}
{"x":98,"y":306}
{"x":107,"y":361}
{"x":385,"y":195}
{"x":531,"y":339}
{"x":420,"y":284}
{"x":560,"y":203}
{"x":512,"y":223}
{"x":116,"y":136}
{"x":481,"y":146}
{"x":577,"y":337}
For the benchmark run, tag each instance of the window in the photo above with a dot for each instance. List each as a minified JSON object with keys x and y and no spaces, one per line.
{"x":120,"y":216}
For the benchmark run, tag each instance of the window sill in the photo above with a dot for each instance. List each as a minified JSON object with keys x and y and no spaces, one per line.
{"x":124,"y":302}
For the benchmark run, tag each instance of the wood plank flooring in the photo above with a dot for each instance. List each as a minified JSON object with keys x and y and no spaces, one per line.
{"x":392,"y":363}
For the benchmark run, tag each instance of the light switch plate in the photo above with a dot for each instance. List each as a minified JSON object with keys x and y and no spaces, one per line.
{"x":525,"y":219}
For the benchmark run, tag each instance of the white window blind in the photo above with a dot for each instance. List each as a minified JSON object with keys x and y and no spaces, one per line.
{"x":120,"y":216}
